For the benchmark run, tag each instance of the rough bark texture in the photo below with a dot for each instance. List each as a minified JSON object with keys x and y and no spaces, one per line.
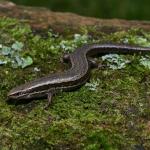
{"x":42,"y":18}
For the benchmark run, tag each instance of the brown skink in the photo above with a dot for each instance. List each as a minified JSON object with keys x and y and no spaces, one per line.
{"x":72,"y":78}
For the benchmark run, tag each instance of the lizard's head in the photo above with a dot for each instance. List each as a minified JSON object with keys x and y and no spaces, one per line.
{"x":27,"y":92}
{"x":18,"y":93}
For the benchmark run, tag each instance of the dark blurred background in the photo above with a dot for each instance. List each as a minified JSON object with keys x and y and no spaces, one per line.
{"x":125,"y":9}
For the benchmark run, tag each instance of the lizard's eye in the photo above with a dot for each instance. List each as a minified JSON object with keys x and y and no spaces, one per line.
{"x":19,"y":93}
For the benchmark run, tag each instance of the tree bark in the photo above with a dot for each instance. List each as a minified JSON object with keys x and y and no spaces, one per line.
{"x":41,"y":18}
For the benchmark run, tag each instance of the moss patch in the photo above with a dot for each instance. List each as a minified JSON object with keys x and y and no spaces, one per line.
{"x":113,"y":114}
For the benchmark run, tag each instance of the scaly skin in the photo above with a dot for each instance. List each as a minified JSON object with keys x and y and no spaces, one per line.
{"x":73,"y":78}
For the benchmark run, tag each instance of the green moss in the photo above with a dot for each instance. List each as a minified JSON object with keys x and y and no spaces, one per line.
{"x":111,"y":112}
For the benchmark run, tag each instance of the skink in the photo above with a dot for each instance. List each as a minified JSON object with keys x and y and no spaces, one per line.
{"x":72,"y":78}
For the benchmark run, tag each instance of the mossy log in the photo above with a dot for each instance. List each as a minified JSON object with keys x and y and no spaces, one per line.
{"x":42,"y":18}
{"x":110,"y":112}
